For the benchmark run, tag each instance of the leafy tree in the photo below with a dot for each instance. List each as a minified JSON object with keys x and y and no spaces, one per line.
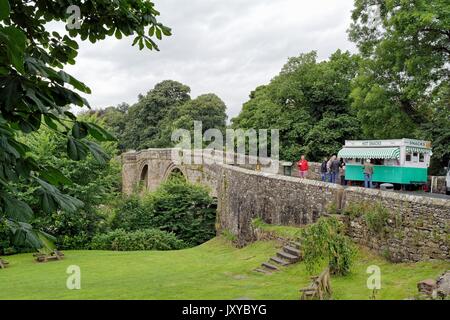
{"x":168,"y":106}
{"x":317,"y":87}
{"x":114,"y":119}
{"x":94,"y":183}
{"x":309,"y":103}
{"x":35,"y":90}
{"x":438,"y":131}
{"x":144,"y":118}
{"x":207,"y":108}
{"x":406,"y":46}
{"x":327,"y":136}
{"x":324,"y":243}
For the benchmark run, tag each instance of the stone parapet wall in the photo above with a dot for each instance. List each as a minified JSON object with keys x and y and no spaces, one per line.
{"x":417,"y":227}
{"x":244,"y":195}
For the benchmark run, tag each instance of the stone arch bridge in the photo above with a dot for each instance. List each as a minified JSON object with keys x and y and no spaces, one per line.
{"x":244,"y":194}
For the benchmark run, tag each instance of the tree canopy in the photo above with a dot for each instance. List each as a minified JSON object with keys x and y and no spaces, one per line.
{"x":402,"y":87}
{"x":309,"y":102}
{"x":168,"y":106}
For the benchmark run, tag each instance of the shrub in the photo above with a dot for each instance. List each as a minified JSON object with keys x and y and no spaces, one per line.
{"x":376,"y":218}
{"x":72,"y":230}
{"x":131,"y":215}
{"x":332,"y":208}
{"x":341,"y":254}
{"x":176,"y":206}
{"x":78,"y":241}
{"x":147,"y":239}
{"x":324,"y":243}
{"x":185,"y":209}
{"x":356,"y":209}
{"x":375,"y":214}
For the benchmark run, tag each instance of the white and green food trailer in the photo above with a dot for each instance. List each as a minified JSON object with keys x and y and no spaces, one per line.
{"x":400,"y":161}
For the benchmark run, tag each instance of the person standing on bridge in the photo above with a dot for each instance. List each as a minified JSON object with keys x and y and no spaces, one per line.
{"x":368,"y":173}
{"x":324,"y":169}
{"x":334,"y":169}
{"x":303,"y":167}
{"x":342,"y":173}
{"x":329,"y":167}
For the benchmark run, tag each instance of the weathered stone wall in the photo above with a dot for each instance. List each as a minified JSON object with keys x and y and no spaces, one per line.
{"x":244,"y":195}
{"x":417,"y":227}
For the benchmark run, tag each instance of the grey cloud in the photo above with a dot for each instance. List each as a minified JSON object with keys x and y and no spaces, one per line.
{"x":225,"y":47}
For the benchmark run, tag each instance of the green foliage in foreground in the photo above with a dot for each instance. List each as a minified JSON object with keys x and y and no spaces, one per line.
{"x":147,"y":239}
{"x":324,"y":243}
{"x":35,"y":91}
{"x":92,"y":182}
{"x":214,"y":270}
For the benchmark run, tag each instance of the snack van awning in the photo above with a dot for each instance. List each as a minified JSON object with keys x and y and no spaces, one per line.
{"x":418,"y":150}
{"x":369,"y":153}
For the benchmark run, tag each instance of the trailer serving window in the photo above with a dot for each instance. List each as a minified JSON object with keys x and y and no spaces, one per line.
{"x":408,"y":156}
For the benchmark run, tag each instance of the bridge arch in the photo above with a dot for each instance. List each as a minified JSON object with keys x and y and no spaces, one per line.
{"x":173,"y":169}
{"x":143,"y":177}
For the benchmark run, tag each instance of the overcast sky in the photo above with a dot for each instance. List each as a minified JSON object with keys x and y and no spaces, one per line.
{"x":227,"y":47}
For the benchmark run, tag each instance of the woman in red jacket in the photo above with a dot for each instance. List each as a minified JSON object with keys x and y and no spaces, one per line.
{"x":303,"y":167}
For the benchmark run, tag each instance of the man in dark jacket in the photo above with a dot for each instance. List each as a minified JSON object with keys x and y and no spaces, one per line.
{"x":334,"y":168}
{"x":324,"y":170}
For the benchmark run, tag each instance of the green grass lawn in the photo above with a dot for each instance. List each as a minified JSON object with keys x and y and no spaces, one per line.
{"x":214,"y":270}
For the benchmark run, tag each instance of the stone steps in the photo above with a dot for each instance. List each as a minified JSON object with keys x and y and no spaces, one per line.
{"x":295,"y":244}
{"x":289,"y":254}
{"x":292,"y":250}
{"x":260,"y":270}
{"x":279,"y":261}
{"x":270,"y":266}
{"x":288,"y":257}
